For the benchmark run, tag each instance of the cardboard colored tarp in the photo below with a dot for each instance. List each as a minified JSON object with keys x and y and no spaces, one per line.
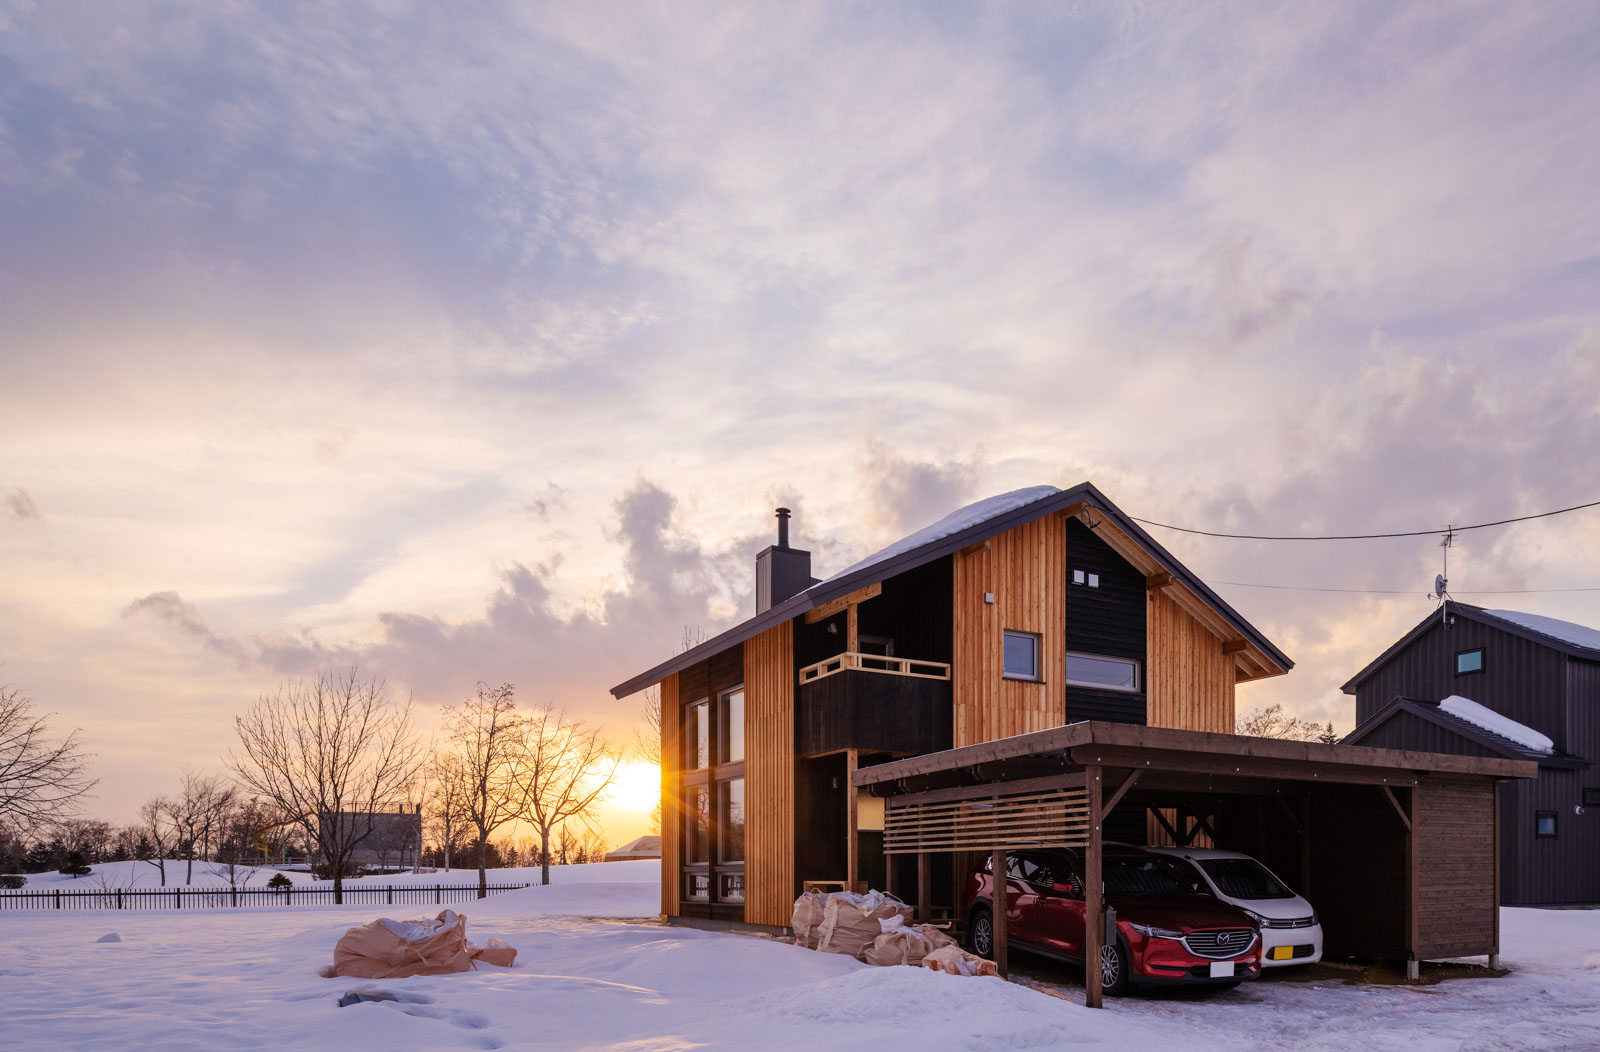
{"x":807,"y":918}
{"x":956,"y":961}
{"x":851,"y":921}
{"x":905,"y":944}
{"x":389,"y":949}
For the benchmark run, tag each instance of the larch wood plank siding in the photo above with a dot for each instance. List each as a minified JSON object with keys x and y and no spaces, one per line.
{"x":1191,"y":681}
{"x":1025,"y":570}
{"x":1454,"y":827}
{"x":769,"y":777}
{"x":671,"y":802}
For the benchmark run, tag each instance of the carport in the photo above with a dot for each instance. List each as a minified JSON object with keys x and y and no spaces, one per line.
{"x":1397,"y":850}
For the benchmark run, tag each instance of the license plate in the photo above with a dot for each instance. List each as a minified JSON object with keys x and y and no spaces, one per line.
{"x":1222,"y":969}
{"x":1282,"y":953}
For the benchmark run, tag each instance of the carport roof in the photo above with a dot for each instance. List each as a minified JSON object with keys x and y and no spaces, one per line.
{"x":1060,"y":750}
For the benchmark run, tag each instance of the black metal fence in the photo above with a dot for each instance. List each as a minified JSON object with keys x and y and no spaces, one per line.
{"x":226,"y":898}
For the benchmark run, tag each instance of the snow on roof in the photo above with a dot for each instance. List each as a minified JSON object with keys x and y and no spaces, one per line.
{"x":953,"y":523}
{"x":1489,"y":720}
{"x":1566,"y":631}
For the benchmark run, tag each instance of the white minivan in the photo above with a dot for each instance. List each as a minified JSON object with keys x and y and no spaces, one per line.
{"x":1290,"y":930}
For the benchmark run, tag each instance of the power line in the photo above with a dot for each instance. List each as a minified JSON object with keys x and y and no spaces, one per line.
{"x":1404,"y":591}
{"x":1368,"y":536}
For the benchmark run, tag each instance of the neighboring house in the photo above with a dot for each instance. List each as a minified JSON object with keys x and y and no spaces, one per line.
{"x":1503,"y":683}
{"x":643,"y":847}
{"x":1022,"y":612}
{"x":388,"y":839}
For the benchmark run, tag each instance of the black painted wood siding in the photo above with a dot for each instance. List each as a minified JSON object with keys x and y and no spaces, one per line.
{"x":875,"y":712}
{"x":1521,"y":679}
{"x":1107,"y":620}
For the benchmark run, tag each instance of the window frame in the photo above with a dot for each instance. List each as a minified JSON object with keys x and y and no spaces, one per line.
{"x":1590,"y":796}
{"x":1138,"y":672}
{"x":1483,"y":661}
{"x":1555,"y":825}
{"x":722,"y":880}
{"x":1037,"y":639}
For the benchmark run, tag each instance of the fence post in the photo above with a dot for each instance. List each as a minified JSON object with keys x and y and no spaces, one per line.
{"x":235,"y":891}
{"x":438,"y":894}
{"x":58,"y":898}
{"x":119,"y":898}
{"x":288,"y":895}
{"x":178,"y":894}
{"x":390,"y":899}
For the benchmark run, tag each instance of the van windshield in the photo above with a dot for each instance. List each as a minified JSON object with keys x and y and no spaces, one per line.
{"x":1150,"y":875}
{"x":1244,"y":878}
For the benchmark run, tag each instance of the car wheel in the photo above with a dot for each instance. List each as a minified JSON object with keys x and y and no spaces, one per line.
{"x":980,"y":932}
{"x":1115,"y":969}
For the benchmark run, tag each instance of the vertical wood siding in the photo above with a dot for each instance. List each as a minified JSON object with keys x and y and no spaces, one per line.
{"x":671,"y":801}
{"x":1456,"y":907}
{"x":1025,"y":569}
{"x":1190,"y":678}
{"x":769,"y":675}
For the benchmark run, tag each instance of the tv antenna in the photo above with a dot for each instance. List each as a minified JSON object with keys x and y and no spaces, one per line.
{"x":1441,"y":580}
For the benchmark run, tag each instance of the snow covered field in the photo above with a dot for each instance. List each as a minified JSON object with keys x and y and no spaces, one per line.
{"x":591,"y":974}
{"x":144,"y":876}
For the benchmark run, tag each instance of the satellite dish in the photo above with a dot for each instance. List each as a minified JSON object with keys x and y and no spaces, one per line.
{"x":1439,"y":584}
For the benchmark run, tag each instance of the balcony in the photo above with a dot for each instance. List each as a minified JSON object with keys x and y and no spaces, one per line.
{"x":874,"y":703}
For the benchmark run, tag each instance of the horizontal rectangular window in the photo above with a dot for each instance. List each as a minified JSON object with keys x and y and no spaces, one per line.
{"x":732,"y":887}
{"x":1021,"y":655}
{"x":1103,"y":673}
{"x":1544,"y":823}
{"x":1591,"y":798}
{"x":697,"y":886}
{"x":1469,"y":661}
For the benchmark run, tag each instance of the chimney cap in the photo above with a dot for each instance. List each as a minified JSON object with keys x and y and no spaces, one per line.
{"x":783,"y":527}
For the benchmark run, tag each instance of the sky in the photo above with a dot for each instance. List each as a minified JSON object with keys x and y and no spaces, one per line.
{"x":478,"y":341}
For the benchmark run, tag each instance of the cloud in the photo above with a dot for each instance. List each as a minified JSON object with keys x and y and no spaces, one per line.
{"x":20,"y":505}
{"x":169,"y":609}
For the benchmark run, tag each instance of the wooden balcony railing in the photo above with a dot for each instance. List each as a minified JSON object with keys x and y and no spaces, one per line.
{"x":893,"y":666}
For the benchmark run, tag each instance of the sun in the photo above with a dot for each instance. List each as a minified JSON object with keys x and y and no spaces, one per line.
{"x":636,"y":788}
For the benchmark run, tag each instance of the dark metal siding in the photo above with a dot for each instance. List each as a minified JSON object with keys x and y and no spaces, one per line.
{"x":1108,"y":620}
{"x":1521,"y":679}
{"x":1405,"y":730}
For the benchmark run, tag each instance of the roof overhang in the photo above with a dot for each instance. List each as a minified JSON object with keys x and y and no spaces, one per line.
{"x":1461,"y":729}
{"x":1254,"y":655}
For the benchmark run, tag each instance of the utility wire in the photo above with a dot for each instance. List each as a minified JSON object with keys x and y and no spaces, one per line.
{"x":1369,"y":536}
{"x":1407,"y":591}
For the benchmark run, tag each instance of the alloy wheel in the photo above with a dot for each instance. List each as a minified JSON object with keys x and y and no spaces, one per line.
{"x":1110,"y":967}
{"x":983,"y":937}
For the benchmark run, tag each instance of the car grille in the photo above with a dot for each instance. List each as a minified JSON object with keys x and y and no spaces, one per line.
{"x":1295,"y":922}
{"x":1229,"y":942}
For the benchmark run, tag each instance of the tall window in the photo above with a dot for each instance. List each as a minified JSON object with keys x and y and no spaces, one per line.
{"x":713,"y":796}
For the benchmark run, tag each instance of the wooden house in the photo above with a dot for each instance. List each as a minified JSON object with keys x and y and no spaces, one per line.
{"x":1020,"y":613}
{"x":1531,"y":687}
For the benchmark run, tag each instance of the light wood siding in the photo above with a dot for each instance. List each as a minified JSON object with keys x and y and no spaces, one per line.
{"x":769,"y":673}
{"x":1025,"y":569}
{"x":1190,"y":679}
{"x":1455,"y":889}
{"x":671,"y":802}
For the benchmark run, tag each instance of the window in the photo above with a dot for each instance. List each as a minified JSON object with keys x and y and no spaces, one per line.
{"x":730,"y":820}
{"x":697,"y":736}
{"x":697,"y":802}
{"x":1086,"y":578}
{"x":713,"y":826}
{"x":1591,"y":798}
{"x":1469,"y":661}
{"x":1078,"y":577}
{"x":1544,"y":824}
{"x":732,"y":726}
{"x":1021,"y":656}
{"x":1094,"y":580}
{"x":1103,"y":673}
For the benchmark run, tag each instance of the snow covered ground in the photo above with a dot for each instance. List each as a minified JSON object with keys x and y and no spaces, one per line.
{"x":592,"y":974}
{"x":144,"y":875}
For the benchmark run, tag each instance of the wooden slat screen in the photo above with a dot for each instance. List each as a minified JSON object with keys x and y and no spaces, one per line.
{"x":1051,"y":818}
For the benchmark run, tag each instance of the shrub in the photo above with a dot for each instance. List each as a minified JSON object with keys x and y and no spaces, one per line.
{"x":12,"y":881}
{"x":279,"y":881}
{"x":76,"y":866}
{"x":326,"y":870}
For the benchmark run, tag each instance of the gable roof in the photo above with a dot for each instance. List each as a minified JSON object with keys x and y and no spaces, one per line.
{"x":966,"y":526}
{"x":1570,"y":639}
{"x":1431,"y":712}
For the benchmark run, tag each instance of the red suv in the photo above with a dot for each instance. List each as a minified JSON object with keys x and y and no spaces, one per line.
{"x":1170,"y":929}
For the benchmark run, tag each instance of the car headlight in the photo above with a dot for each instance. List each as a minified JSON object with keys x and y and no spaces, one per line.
{"x":1315,"y":920}
{"x":1150,"y":932}
{"x":1257,"y":918}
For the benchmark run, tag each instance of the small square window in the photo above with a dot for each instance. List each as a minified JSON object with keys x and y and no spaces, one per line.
{"x":1591,"y":797}
{"x":1094,"y":580}
{"x":1544,"y":824}
{"x":1469,"y":661}
{"x":1077,"y":577}
{"x":1021,"y":656}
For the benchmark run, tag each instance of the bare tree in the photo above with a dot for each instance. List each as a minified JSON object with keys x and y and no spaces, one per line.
{"x":484,"y":733}
{"x":1272,"y":722}
{"x":566,"y":770}
{"x":647,"y":740}
{"x":446,"y":815}
{"x":42,"y":780}
{"x":158,"y":833}
{"x":332,"y":751}
{"x":198,"y":810}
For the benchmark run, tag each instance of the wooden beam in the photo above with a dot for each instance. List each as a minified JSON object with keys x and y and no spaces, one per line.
{"x":852,"y":630}
{"x":1094,"y":922}
{"x":833,"y":606}
{"x":1405,"y":819}
{"x":1122,"y":790}
{"x":851,"y":862}
{"x":1161,"y":820}
{"x":1413,"y":897}
{"x":1235,"y":646}
{"x":924,"y":889}
{"x":999,"y":925}
{"x":1305,"y":846}
{"x":973,"y":549}
{"x":1157,"y":581}
{"x":989,"y":790}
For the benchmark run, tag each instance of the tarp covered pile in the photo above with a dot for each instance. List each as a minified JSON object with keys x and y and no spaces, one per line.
{"x":875,"y":927}
{"x":388,"y":949}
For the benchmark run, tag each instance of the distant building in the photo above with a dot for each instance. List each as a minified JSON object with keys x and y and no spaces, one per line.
{"x":644,"y":847}
{"x":388,"y":839}
{"x":1502,"y":683}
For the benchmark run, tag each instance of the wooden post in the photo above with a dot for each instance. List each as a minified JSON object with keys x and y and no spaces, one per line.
{"x":852,"y":637}
{"x":1094,"y":924}
{"x":1494,"y":958}
{"x":888,"y":872}
{"x":999,"y":926}
{"x":1413,"y":921}
{"x":852,"y":864}
{"x":1305,"y":846}
{"x":924,"y":889}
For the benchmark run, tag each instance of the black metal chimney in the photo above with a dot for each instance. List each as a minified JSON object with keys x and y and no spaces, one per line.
{"x":781,"y":571}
